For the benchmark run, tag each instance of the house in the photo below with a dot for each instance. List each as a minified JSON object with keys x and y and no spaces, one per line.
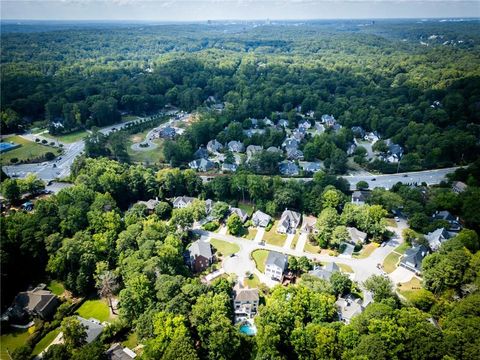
{"x":459,"y":187}
{"x":253,"y":149}
{"x":181,"y":202}
{"x":310,"y":114}
{"x":118,"y":352}
{"x":336,"y":127}
{"x":299,"y":134}
{"x":275,"y":265}
{"x":436,"y":238}
{"x":412,"y":260}
{"x":372,"y":137}
{"x":38,"y":302}
{"x":288,"y":168}
{"x":351,"y":149}
{"x":241,"y":214}
{"x":236,"y":146}
{"x":311,"y":167}
{"x":245,"y":303}
{"x":319,"y":127}
{"x":214,"y":146}
{"x":201,"y":165}
{"x":394,"y":153}
{"x":305,"y":124}
{"x":229,"y":167}
{"x":27,"y":206}
{"x":308,"y":224}
{"x":325,"y":273}
{"x":283,"y":123}
{"x":93,"y":327}
{"x":289,"y":222}
{"x":201,"y":153}
{"x":349,"y":306}
{"x":360,"y":197}
{"x":328,"y":120}
{"x":356,"y":236}
{"x":358,"y":132}
{"x":208,"y":206}
{"x":167,"y":132}
{"x":274,"y":150}
{"x":454,"y":222}
{"x":200,"y":255}
{"x":290,"y":143}
{"x":294,"y":154}
{"x":261,"y":219}
{"x":267,"y":122}
{"x":150,"y":204}
{"x":250,"y":132}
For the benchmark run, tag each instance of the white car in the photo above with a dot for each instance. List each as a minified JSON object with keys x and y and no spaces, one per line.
{"x":397,"y":219}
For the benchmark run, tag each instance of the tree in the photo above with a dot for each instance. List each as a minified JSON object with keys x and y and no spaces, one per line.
{"x":469,"y":239}
{"x":74,"y":332}
{"x":220,"y":210}
{"x":362,"y":185}
{"x":381,"y":287}
{"x":163,"y":210}
{"x":136,"y":297}
{"x":234,"y":224}
{"x":315,"y":342}
{"x":11,"y":190}
{"x":332,"y":198}
{"x":341,"y":283}
{"x":340,"y":234}
{"x":107,"y":284}
{"x":327,"y":221}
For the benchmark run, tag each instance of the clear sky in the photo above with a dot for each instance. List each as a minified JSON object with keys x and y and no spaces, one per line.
{"x":193,"y":10}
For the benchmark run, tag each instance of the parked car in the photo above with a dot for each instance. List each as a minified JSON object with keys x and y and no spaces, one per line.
{"x":397,"y":219}
{"x":374,"y":179}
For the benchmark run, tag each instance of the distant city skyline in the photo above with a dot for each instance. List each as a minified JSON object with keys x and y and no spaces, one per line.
{"x":202,"y":10}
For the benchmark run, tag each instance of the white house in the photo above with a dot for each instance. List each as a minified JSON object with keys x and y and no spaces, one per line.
{"x":261,"y":219}
{"x":245,"y":303}
{"x":182,"y":202}
{"x":288,"y":222}
{"x":275,"y":265}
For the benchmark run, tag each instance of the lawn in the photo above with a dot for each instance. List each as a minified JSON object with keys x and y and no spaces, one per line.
{"x":56,"y":287}
{"x":253,"y":282}
{"x":295,"y":241}
{"x":68,"y":138}
{"x":345,"y":268}
{"x":274,"y":238}
{"x":391,"y":222}
{"x":28,"y":150}
{"x":132,"y":341}
{"x":12,"y":339}
{"x":252,"y":232}
{"x":247,"y":207}
{"x":224,"y":247}
{"x":309,"y":247}
{"x":145,"y":156}
{"x":402,"y":248}
{"x":47,"y":339}
{"x":97,"y":309}
{"x":410,"y":287}
{"x":260,"y":256}
{"x":390,"y":262}
{"x":366,"y":251}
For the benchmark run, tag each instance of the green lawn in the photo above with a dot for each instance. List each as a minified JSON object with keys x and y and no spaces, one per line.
{"x":224,"y":247}
{"x":409,"y":288}
{"x":295,"y":240}
{"x":345,"y":268}
{"x":68,"y":138}
{"x":126,"y":118}
{"x":56,"y":287}
{"x":47,"y":339}
{"x":366,"y":251}
{"x":152,"y":156}
{"x":309,"y":247}
{"x":12,"y":339}
{"x":252,"y":232}
{"x":402,"y":248}
{"x":247,"y":207}
{"x":28,"y":150}
{"x":260,"y":256}
{"x":390,"y":262}
{"x":274,"y":238}
{"x":253,"y":282}
{"x":97,"y":309}
{"x":391,"y":222}
{"x":132,"y":341}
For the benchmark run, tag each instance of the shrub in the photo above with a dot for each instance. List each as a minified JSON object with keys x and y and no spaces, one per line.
{"x":14,"y":160}
{"x":44,"y":142}
{"x":211,"y":226}
{"x":49,"y":156}
{"x":269,"y":227}
{"x":37,"y":140}
{"x":52,"y":143}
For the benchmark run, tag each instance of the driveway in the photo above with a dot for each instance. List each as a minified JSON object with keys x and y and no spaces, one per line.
{"x":401,"y":275}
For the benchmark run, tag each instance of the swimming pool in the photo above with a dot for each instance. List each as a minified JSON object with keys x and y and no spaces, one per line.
{"x":5,"y":146}
{"x":248,"y":329}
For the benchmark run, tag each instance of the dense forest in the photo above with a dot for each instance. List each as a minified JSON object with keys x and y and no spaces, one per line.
{"x":417,"y":84}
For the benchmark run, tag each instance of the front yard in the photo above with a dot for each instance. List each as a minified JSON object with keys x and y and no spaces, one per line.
{"x":366,"y":251}
{"x":260,"y":256}
{"x":56,"y":287}
{"x":13,"y":339}
{"x":253,"y":282}
{"x":274,"y":238}
{"x":47,"y":339}
{"x":252,"y":232}
{"x":314,"y":249}
{"x":97,"y":309}
{"x":409,"y":288}
{"x":390,"y":262}
{"x":224,"y":247}
{"x":28,"y":150}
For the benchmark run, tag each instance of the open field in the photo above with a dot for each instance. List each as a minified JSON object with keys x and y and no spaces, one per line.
{"x":247,"y":207}
{"x":402,"y":248}
{"x":274,"y":238}
{"x":260,"y":256}
{"x":131,"y":341}
{"x":56,"y":287}
{"x":97,"y":309}
{"x":253,"y":282}
{"x":295,"y":240}
{"x":345,"y":268}
{"x":27,"y":150}
{"x":68,"y":138}
{"x":11,"y":340}
{"x":225,"y":248}
{"x":366,"y":251}
{"x":409,"y":288}
{"x":309,"y":247}
{"x":390,"y":262}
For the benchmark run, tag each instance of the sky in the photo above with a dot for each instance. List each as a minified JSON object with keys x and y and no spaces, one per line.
{"x":200,"y":10}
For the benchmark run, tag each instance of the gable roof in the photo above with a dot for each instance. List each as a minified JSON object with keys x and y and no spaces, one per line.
{"x":118,"y":352}
{"x":242,"y":214}
{"x":150,"y":204}
{"x":260,"y":218}
{"x":214,"y":145}
{"x":201,"y":153}
{"x":414,"y":256}
{"x":183,"y":199}
{"x":35,"y":300}
{"x":246,"y":295}
{"x":288,"y":168}
{"x":236,"y":146}
{"x":277,"y":259}
{"x":356,"y":235}
{"x":437,"y":237}
{"x":201,"y":248}
{"x":325,"y":272}
{"x":93,"y":328}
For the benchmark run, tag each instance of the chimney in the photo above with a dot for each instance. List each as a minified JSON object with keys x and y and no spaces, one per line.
{"x":156,"y":198}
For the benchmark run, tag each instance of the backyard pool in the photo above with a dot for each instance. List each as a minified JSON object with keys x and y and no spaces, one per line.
{"x":248,"y":329}
{"x":5,"y":146}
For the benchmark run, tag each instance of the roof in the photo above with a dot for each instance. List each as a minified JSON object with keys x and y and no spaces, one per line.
{"x":201,"y":153}
{"x":229,"y":167}
{"x":35,"y":300}
{"x":246,"y":294}
{"x":309,"y":221}
{"x":201,"y":248}
{"x":277,"y":259}
{"x":252,"y":149}
{"x":360,"y":195}
{"x":325,"y":272}
{"x":414,"y":256}
{"x":288,"y":168}
{"x":312,"y":166}
{"x":242,"y":214}
{"x":150,"y":204}
{"x":348,"y":307}
{"x":93,"y":328}
{"x":260,"y":217}
{"x":395,"y":149}
{"x":274,"y":149}
{"x":214,"y":145}
{"x":444,"y":215}
{"x":118,"y":352}
{"x":437,"y":237}
{"x":183,"y":199}
{"x":290,"y":218}
{"x":235,"y":146}
{"x":459,"y":186}
{"x":356,"y":235}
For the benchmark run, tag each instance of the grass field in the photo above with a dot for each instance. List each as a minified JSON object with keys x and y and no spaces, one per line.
{"x":224,"y":247}
{"x":274,"y":238}
{"x":366,"y":251}
{"x":56,"y":287}
{"x":345,"y":268}
{"x":252,"y":232}
{"x":27,"y":150}
{"x":402,"y":248}
{"x":253,"y":282}
{"x":309,"y":247}
{"x":391,"y":222}
{"x":410,"y":287}
{"x":68,"y":138}
{"x":247,"y":207}
{"x":260,"y":256}
{"x":132,"y":341}
{"x":145,"y":156}
{"x":390,"y":262}
{"x":47,"y":339}
{"x":97,"y":309}
{"x":295,"y":240}
{"x":11,"y":340}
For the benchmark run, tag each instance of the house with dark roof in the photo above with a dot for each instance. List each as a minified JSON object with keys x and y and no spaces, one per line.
{"x":118,"y":352}
{"x":201,"y":165}
{"x":304,"y":124}
{"x":275,"y":265}
{"x":412,"y":260}
{"x":299,"y":134}
{"x":214,"y":146}
{"x":356,"y":236}
{"x":201,"y":153}
{"x":201,"y":256}
{"x":167,"y":132}
{"x":181,"y":202}
{"x":394,"y":153}
{"x":150,"y":204}
{"x":372,"y":137}
{"x":288,"y":168}
{"x":454,"y":222}
{"x":241,"y":214}
{"x":274,"y":150}
{"x":236,"y":146}
{"x":437,"y":238}
{"x":325,"y":272}
{"x":294,"y":154}
{"x":261,"y":219}
{"x":360,"y":197}
{"x":358,"y":132}
{"x":289,"y":222}
{"x":311,"y":166}
{"x":229,"y":167}
{"x":328,"y":120}
{"x":245,"y":303}
{"x":290,"y":143}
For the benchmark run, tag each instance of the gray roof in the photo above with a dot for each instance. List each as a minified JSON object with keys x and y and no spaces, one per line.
{"x":183,"y":199}
{"x":246,"y":295}
{"x":414,"y":256}
{"x":242,"y":214}
{"x":118,"y":352}
{"x":325,"y":272}
{"x":201,"y":248}
{"x":288,"y":168}
{"x":312,"y":166}
{"x":236,"y":146}
{"x":274,"y":149}
{"x":35,"y":300}
{"x":395,"y":149}
{"x":93,"y":328}
{"x":214,"y":145}
{"x":278,"y":259}
{"x":356,"y":235}
{"x":259,"y":218}
{"x":360,"y":195}
{"x":201,"y":153}
{"x":150,"y":204}
{"x":229,"y":167}
{"x":437,"y":237}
